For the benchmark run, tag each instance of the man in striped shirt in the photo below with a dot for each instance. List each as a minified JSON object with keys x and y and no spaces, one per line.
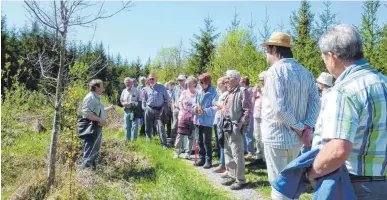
{"x":290,"y":104}
{"x":352,"y":126}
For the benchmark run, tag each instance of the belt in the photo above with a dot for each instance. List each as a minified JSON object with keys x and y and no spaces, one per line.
{"x":355,"y":178}
{"x":156,"y":108}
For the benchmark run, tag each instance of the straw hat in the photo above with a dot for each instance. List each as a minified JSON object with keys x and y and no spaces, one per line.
{"x":279,"y":39}
{"x":325,"y":79}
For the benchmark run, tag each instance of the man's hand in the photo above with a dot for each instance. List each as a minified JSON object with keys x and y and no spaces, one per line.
{"x":102,"y":122}
{"x":241,"y":126}
{"x":299,"y":132}
{"x":128,"y":105}
{"x":306,"y":136}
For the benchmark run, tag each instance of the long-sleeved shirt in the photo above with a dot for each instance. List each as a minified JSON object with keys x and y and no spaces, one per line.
{"x":206,"y":100}
{"x":237,"y":105}
{"x":257,"y":102}
{"x":175,"y":96}
{"x":355,"y":109}
{"x":155,"y":96}
{"x":290,"y":101}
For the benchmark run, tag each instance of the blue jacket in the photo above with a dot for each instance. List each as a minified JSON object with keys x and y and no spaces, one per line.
{"x":292,"y":182}
{"x":207,"y":101}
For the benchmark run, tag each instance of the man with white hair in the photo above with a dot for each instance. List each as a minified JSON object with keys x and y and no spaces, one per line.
{"x":235,"y":114}
{"x":290,"y":105}
{"x":140,"y":88}
{"x":352,"y":125}
{"x":131,"y":101}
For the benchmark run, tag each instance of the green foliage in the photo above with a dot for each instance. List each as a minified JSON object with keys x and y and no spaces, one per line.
{"x":203,"y":48}
{"x":327,"y":20}
{"x":381,"y":52}
{"x":236,"y":51}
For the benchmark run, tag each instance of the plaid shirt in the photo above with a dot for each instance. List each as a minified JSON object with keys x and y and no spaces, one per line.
{"x":356,"y":110}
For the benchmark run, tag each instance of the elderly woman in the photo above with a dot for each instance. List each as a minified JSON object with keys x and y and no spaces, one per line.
{"x":185,"y":119}
{"x":219,"y":143}
{"x":257,"y":102}
{"x":204,"y":119}
{"x":93,"y":110}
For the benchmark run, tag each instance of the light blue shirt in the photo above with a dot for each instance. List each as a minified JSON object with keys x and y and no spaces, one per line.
{"x":155,"y":96}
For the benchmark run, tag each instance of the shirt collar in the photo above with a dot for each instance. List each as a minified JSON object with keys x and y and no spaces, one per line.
{"x":285,"y":60}
{"x":351,"y":69}
{"x":96,"y":95}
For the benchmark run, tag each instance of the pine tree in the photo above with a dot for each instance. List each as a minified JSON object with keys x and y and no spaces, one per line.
{"x":266,"y":31}
{"x":235,"y":22}
{"x":381,"y":49}
{"x":327,"y":20}
{"x":203,"y":48}
{"x":369,"y":30}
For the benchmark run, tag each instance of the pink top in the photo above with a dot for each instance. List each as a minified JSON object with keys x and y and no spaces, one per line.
{"x":257,"y":102}
{"x":186,"y":101}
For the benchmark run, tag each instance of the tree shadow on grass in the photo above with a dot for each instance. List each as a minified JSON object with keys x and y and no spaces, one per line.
{"x":256,"y":184}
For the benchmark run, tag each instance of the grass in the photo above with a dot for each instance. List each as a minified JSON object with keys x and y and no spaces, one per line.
{"x":171,"y":179}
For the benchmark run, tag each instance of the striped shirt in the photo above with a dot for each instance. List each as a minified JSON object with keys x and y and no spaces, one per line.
{"x":355,"y":109}
{"x":290,"y":101}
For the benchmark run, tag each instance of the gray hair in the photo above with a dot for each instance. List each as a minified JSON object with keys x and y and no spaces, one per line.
{"x":191,"y":80}
{"x":142,"y":79}
{"x":344,"y":41}
{"x":128,"y":79}
{"x":233,"y":74}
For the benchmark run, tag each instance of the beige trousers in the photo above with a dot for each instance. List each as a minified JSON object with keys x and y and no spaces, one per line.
{"x":234,"y":155}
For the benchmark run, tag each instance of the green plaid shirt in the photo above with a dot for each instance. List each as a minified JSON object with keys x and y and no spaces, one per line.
{"x":355,"y":109}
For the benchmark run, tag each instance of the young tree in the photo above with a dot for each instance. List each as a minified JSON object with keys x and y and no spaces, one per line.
{"x":203,"y":48}
{"x":235,"y":22}
{"x":369,"y":30}
{"x":327,"y":20}
{"x":381,"y":50}
{"x":266,"y":30}
{"x":60,"y":16}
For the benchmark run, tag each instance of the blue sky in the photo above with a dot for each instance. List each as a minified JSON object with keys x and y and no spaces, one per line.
{"x":151,"y":26}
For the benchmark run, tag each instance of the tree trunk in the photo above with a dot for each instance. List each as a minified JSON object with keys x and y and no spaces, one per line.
{"x":57,"y":116}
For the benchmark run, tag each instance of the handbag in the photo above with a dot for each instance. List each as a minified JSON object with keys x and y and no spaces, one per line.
{"x":86,"y":128}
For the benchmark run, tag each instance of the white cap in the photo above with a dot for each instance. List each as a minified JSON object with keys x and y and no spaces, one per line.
{"x":326,"y":79}
{"x":181,"y":77}
{"x":262,"y":75}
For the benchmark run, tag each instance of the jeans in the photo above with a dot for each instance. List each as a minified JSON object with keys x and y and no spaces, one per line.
{"x":131,"y":125}
{"x":204,"y":139}
{"x":249,"y":137}
{"x":217,"y":146}
{"x":91,"y":150}
{"x":221,"y":159}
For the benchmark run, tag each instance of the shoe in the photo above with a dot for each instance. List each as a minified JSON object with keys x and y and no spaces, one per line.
{"x":199,"y":164}
{"x":237,"y":186}
{"x":175,"y":156}
{"x":250,"y":155}
{"x":187,"y":156}
{"x":225,"y":176}
{"x":220,"y":170}
{"x":228,"y":181}
{"x":165,"y":147}
{"x":208,"y":165}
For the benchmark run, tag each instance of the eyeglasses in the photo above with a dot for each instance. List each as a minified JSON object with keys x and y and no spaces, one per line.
{"x":151,"y":79}
{"x":201,"y":82}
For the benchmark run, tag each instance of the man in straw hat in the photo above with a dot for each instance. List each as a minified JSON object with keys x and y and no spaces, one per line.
{"x":290,"y":104}
{"x":155,"y":98}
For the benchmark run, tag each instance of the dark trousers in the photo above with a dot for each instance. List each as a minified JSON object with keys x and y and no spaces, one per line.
{"x":169,"y":123}
{"x":91,"y":150}
{"x":153,"y":124}
{"x":204,"y":134}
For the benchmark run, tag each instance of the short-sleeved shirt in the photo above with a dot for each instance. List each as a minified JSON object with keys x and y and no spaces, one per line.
{"x":92,"y":105}
{"x":355,"y":109}
{"x":155,"y":96}
{"x":130,"y":95}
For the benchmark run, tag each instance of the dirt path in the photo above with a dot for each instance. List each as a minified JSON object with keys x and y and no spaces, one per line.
{"x":215,"y":180}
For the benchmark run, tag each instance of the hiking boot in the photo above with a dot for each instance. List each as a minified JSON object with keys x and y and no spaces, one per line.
{"x":199,"y":164}
{"x":225,"y":176}
{"x":237,"y":186}
{"x":208,"y":165}
{"x":187,"y":156}
{"x":220,"y":170}
{"x":228,"y":181}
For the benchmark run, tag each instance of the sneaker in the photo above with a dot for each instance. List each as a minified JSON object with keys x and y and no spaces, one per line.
{"x":208,"y":165}
{"x":237,"y":186}
{"x":228,"y":181}
{"x":175,"y":156}
{"x":224,"y":175}
{"x":220,"y":170}
{"x":187,"y":156}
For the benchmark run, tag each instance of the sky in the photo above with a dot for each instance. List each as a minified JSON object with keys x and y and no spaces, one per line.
{"x":151,"y":26}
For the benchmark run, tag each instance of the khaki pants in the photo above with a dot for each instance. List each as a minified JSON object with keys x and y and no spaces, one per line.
{"x":258,"y":139}
{"x":276,"y":161}
{"x":179,"y":142}
{"x":234,"y":155}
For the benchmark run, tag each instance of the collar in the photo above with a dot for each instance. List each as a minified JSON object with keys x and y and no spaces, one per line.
{"x":352,"y":69}
{"x":96,"y":95}
{"x":285,"y":60}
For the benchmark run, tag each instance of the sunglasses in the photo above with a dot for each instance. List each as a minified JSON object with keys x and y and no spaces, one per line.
{"x":151,"y":79}
{"x":201,"y":82}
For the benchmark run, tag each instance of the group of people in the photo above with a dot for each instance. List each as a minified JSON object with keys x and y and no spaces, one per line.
{"x":288,"y":111}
